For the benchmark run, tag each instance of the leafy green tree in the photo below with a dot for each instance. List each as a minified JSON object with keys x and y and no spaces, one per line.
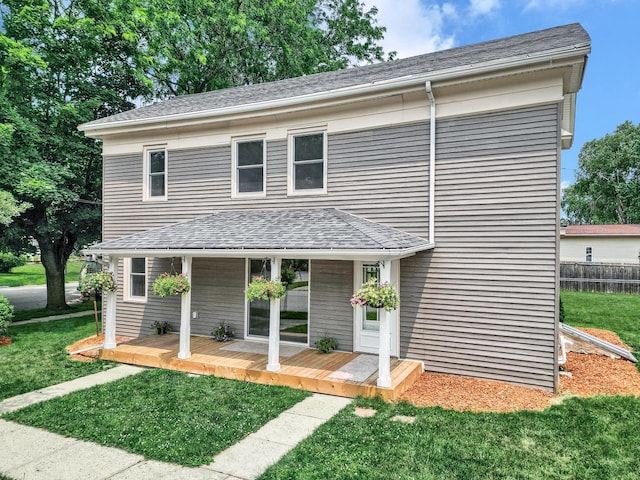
{"x":607,"y":186}
{"x":62,"y":63}
{"x":193,"y":46}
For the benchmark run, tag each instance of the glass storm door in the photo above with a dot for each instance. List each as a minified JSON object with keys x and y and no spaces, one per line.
{"x":367,"y":319}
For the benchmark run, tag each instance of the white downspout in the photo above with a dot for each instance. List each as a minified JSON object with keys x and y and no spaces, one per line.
{"x":432,"y":161}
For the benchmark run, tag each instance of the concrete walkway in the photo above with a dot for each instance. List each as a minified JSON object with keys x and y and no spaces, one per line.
{"x":29,"y":453}
{"x":55,"y":317}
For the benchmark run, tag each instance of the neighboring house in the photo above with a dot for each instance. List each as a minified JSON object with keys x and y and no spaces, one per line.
{"x":439,"y":173}
{"x":600,"y":244}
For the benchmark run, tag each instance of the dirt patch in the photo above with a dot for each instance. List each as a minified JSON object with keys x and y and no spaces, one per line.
{"x":4,"y":341}
{"x":95,"y":341}
{"x":591,"y":375}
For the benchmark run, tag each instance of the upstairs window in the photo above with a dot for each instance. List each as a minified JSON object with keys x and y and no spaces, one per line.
{"x":308,"y":165}
{"x":249,"y":167}
{"x":589,"y":254}
{"x":156,"y":174}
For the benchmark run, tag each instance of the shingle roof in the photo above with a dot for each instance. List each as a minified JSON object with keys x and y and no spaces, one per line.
{"x":304,"y":229}
{"x":519,"y":46}
{"x":602,"y":230}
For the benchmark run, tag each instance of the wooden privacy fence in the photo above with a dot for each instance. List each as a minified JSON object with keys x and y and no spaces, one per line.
{"x":600,"y":277}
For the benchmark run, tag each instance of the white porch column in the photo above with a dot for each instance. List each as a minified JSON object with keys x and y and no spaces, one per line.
{"x":384,"y":355}
{"x":273,"y":364}
{"x":109,"y":323}
{"x":185,"y":313}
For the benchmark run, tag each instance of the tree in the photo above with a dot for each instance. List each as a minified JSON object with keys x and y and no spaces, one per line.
{"x":607,"y":186}
{"x":62,"y":63}
{"x":193,"y":46}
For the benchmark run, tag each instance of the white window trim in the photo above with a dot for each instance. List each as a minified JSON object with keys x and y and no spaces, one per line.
{"x":588,"y":252}
{"x":126,"y":282}
{"x":290,"y":166}
{"x":146,"y":189}
{"x":234,"y":167}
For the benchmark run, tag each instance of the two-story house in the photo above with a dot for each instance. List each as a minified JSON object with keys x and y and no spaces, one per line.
{"x":438,"y":173}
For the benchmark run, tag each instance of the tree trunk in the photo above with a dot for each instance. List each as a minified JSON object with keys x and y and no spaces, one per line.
{"x":54,"y":255}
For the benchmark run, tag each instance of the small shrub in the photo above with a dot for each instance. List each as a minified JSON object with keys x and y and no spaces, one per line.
{"x":287,"y":276}
{"x":223,"y":333}
{"x":327,"y":344}
{"x":6,"y":315}
{"x":9,"y":261}
{"x":161,"y":327}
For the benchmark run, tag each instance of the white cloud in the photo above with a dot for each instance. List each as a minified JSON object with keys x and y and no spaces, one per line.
{"x":423,"y":26}
{"x":414,"y":28}
{"x":483,"y":7}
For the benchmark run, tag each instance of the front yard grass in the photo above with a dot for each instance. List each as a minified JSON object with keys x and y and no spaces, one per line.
{"x":33,"y":274}
{"x":21,"y":315}
{"x":619,"y":313}
{"x":164,"y":415}
{"x":37,"y":358}
{"x":580,"y":439}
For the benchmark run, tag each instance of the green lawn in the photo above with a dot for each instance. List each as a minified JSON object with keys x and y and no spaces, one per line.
{"x":619,"y":313}
{"x":37,"y":358}
{"x":33,"y":274}
{"x":596,"y":438}
{"x":164,"y":415}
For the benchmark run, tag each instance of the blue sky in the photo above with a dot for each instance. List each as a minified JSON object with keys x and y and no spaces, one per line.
{"x":610,"y":93}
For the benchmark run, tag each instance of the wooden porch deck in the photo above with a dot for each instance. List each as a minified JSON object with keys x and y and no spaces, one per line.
{"x":306,"y":369}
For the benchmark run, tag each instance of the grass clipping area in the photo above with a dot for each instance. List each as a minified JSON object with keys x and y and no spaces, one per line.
{"x":164,"y":415}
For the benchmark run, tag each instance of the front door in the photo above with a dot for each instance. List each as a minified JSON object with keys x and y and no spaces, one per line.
{"x":367,"y":319}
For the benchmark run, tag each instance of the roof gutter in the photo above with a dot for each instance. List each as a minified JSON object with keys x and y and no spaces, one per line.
{"x":347,"y":254}
{"x":432,"y":161}
{"x":411,"y":80}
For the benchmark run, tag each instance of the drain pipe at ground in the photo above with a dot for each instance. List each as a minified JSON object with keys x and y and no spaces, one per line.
{"x":432,"y":161}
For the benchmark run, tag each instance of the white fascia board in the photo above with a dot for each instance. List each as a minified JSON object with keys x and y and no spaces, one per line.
{"x":375,"y":87}
{"x":313,"y":254}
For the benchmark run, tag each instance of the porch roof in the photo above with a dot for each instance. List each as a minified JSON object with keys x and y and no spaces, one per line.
{"x":307,"y":233}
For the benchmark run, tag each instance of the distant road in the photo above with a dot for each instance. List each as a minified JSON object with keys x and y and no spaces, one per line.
{"x":35,"y":296}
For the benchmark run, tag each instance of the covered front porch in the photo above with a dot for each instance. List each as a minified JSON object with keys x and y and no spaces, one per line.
{"x":338,"y":373}
{"x":220,"y":244}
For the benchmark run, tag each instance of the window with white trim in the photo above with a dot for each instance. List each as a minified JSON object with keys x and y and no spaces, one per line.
{"x":155,"y":173}
{"x":308,"y":163}
{"x":588,"y":254}
{"x":136,"y":279}
{"x":249,"y":167}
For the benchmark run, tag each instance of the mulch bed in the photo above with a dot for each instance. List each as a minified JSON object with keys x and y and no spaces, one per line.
{"x":94,"y":341}
{"x":592,"y":375}
{"x":4,"y":341}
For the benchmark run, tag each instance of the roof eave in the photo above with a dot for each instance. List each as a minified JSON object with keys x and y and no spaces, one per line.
{"x":375,"y":87}
{"x":312,"y":254}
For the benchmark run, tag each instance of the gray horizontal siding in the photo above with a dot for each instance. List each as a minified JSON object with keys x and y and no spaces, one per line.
{"x":218,"y":294}
{"x":331,"y":312}
{"x":134,"y":319}
{"x":483,"y":302}
{"x":381,"y":175}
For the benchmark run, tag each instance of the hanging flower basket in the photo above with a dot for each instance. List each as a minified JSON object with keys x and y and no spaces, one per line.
{"x":376,"y":295}
{"x":262,"y":289}
{"x":99,"y":282}
{"x":171,"y":284}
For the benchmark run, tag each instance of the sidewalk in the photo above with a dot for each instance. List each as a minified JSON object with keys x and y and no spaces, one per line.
{"x":29,"y":453}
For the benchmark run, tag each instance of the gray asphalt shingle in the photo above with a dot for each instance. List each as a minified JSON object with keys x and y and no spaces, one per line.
{"x":519,"y":46}
{"x":310,"y":229}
